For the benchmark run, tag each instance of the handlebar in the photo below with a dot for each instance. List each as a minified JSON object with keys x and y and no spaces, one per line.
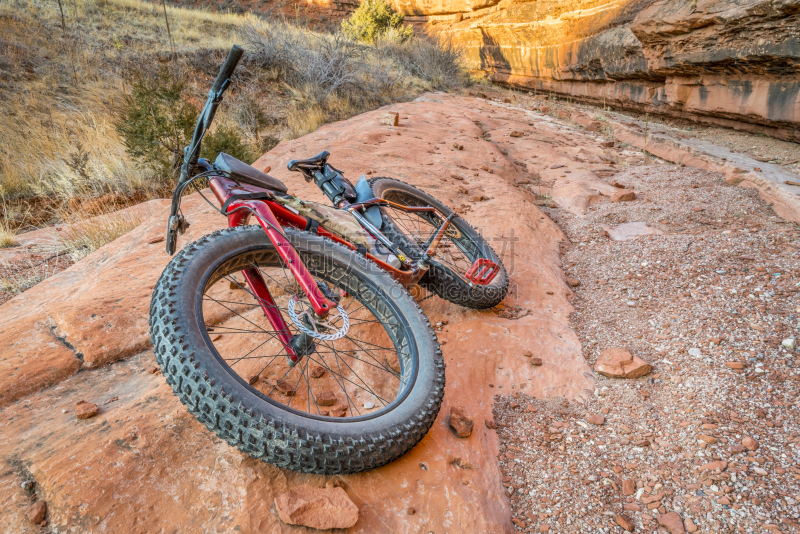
{"x":228,"y":67}
{"x":192,"y":152}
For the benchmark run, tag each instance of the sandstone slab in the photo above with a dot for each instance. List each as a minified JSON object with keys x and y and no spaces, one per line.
{"x":620,"y":363}
{"x":628,"y":231}
{"x":320,"y":508}
{"x":163,"y":470}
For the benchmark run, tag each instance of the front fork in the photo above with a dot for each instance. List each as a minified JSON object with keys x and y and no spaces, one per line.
{"x":239,"y":214}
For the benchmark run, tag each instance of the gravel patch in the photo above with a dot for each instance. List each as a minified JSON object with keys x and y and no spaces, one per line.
{"x":709,"y":441}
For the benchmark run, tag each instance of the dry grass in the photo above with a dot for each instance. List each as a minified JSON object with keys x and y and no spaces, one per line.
{"x":63,"y":142}
{"x":7,"y":236}
{"x":83,"y":235}
{"x":25,"y":277}
{"x":61,"y":93}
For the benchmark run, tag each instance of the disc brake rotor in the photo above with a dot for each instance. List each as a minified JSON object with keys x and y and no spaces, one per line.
{"x":317,"y":325}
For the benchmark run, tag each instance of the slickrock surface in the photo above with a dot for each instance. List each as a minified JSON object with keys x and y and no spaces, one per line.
{"x":144,"y":464}
{"x":708,"y":304}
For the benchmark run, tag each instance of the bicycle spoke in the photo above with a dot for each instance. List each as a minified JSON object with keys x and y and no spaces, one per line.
{"x":366,"y":387}
{"x":378,"y":366}
{"x":340,"y":384}
{"x":252,"y":351}
{"x":363,"y":349}
{"x":354,"y":369}
{"x":238,"y":315}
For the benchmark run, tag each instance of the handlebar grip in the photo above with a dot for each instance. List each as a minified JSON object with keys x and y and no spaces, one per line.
{"x":228,"y":67}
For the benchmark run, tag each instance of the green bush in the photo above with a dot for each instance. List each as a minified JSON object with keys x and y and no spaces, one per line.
{"x":372,"y":19}
{"x":226,"y":139}
{"x":157,"y":120}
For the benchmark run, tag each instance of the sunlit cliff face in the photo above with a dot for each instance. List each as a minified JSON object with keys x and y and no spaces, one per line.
{"x":730,"y":60}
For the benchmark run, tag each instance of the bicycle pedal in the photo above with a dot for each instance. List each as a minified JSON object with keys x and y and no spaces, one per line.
{"x":482,"y":272}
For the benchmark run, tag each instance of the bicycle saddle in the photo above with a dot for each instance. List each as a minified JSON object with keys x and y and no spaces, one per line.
{"x":244,"y":173}
{"x":317,"y":161}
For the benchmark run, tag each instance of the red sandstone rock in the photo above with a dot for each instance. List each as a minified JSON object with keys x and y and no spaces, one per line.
{"x":672,"y":522}
{"x":749,"y":443}
{"x":326,"y":398}
{"x":628,"y":487}
{"x":320,"y":508}
{"x":37,"y":512}
{"x":625,"y":195}
{"x":619,"y":363}
{"x":338,"y":410}
{"x":85,"y":410}
{"x":460,"y":421}
{"x":625,"y":522}
{"x":536,"y":362}
{"x":285,"y":387}
{"x":596,"y":419}
{"x":714,"y":466}
{"x":317,"y":371}
{"x":390,"y":118}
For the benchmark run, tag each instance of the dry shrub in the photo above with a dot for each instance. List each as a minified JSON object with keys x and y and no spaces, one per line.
{"x":334,"y":76}
{"x":7,"y":236}
{"x":374,"y":18}
{"x":319,"y":64}
{"x":434,"y":58}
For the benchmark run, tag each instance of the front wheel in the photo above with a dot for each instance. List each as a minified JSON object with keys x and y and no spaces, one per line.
{"x":459,"y":249}
{"x":367,"y":389}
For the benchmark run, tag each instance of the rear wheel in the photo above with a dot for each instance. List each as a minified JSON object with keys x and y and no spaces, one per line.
{"x":459,"y":248}
{"x":366,"y":391}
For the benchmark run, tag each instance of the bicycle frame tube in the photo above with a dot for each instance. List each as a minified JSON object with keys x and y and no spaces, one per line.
{"x":256,"y":282}
{"x":290,"y":257}
{"x":223,"y":189}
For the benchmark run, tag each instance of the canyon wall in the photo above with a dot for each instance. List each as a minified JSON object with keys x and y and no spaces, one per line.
{"x":730,"y":62}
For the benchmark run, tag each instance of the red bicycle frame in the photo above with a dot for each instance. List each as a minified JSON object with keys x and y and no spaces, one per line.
{"x":272,"y":216}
